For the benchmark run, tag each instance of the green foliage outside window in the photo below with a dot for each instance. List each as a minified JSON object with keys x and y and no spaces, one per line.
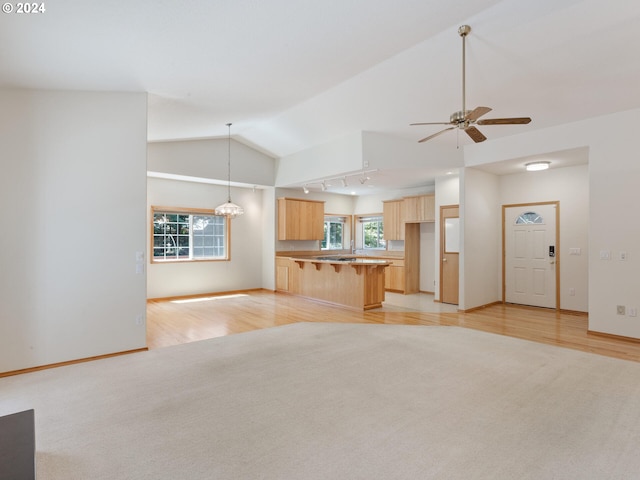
{"x":373,"y":234}
{"x":333,"y":235}
{"x":189,"y":236}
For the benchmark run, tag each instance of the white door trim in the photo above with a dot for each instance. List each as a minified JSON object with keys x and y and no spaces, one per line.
{"x":557,"y":246}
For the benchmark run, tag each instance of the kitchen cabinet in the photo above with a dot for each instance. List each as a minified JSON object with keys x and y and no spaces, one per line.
{"x":355,"y":283}
{"x":282,"y":274}
{"x":419,"y":208}
{"x":395,"y":276}
{"x":287,"y":275}
{"x":300,"y":219}
{"x":403,"y":275}
{"x":393,"y":221}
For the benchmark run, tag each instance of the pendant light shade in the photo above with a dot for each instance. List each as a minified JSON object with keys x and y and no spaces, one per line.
{"x":229,"y":209}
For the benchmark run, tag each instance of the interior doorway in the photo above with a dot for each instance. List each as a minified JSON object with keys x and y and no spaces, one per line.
{"x":530,"y":255}
{"x":449,"y":253}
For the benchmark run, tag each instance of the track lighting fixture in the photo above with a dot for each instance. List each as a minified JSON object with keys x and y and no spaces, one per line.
{"x":361,"y":176}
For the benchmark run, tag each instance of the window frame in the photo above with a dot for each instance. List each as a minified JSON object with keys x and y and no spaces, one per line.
{"x":192,"y":212}
{"x":378,"y":218}
{"x":343,"y":220}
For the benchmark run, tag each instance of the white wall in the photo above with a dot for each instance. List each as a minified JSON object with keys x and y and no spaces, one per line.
{"x":269,"y":229}
{"x":242,"y":272}
{"x":614,"y":176}
{"x":614,"y":173}
{"x":480,"y":217}
{"x":73,"y":185}
{"x":447,"y":190}
{"x":365,"y":150}
{"x":329,"y":159}
{"x":569,"y":186}
{"x":209,"y":158}
{"x":252,"y":234}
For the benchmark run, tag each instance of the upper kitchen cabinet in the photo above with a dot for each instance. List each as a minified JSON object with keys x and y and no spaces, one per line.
{"x":419,"y":208}
{"x":392,"y":211}
{"x":300,"y":219}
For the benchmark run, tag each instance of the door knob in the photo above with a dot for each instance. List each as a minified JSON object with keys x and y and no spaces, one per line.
{"x":444,"y":259}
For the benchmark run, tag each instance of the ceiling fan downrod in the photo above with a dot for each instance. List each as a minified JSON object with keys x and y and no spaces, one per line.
{"x":463,"y":31}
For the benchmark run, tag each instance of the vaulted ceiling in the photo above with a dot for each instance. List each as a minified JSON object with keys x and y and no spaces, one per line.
{"x":291,"y":75}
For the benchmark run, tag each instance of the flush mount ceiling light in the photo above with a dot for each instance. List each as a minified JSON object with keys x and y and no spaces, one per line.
{"x":229,"y":209}
{"x":537,"y":166}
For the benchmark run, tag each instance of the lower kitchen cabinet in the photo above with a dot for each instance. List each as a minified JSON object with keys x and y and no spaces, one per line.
{"x":286,"y":275}
{"x":395,"y":276}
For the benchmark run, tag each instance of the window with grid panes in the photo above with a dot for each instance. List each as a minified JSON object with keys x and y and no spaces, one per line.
{"x":372,"y":232}
{"x":188,"y":235}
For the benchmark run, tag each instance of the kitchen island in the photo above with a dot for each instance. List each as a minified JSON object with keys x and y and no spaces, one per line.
{"x":349,"y":281}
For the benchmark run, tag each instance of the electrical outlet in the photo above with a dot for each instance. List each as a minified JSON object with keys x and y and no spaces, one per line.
{"x":572,"y":292}
{"x":633,"y":311}
{"x":621,"y":310}
{"x":139,"y":319}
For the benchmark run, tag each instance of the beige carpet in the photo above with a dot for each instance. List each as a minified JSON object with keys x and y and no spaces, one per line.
{"x":335,"y":401}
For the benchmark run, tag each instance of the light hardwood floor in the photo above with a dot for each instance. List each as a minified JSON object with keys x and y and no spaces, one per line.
{"x":171,"y":323}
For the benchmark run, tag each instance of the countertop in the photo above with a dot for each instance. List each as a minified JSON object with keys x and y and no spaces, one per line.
{"x":342,"y":259}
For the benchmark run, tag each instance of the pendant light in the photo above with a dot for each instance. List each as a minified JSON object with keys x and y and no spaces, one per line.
{"x":229,"y":209}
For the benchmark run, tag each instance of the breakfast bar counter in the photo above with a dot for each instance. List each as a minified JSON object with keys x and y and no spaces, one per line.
{"x":349,"y":281}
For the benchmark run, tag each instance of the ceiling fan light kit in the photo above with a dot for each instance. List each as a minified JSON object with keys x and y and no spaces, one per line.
{"x":467,"y":119}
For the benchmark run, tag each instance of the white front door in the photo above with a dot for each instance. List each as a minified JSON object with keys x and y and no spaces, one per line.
{"x":530,"y":254}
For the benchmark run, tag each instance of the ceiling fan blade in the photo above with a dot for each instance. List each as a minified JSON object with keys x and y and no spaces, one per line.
{"x":435,"y":134}
{"x":505,"y":121}
{"x":476,"y":113}
{"x":431,"y":123}
{"x":475,"y":134}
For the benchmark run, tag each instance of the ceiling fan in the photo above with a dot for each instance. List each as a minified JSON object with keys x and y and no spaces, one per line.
{"x":467,"y":119}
